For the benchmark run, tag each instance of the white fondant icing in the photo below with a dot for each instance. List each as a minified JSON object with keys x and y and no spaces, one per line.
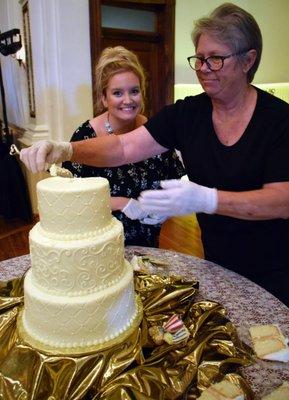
{"x":77,"y":266}
{"x":79,"y":291}
{"x":79,"y":320}
{"x":73,"y":206}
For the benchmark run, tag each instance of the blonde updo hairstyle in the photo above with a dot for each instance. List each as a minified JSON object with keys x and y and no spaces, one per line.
{"x":114,"y":60}
{"x":235,"y":27}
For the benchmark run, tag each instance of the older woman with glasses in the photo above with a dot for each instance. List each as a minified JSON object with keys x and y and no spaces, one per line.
{"x":234,"y":141}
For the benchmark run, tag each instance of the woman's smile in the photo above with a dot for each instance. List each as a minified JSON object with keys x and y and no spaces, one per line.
{"x":123,"y":97}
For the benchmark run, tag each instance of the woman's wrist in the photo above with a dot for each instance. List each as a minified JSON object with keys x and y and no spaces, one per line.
{"x":118,"y":203}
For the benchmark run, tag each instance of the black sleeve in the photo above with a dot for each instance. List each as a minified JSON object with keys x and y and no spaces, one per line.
{"x":277,"y":162}
{"x":83,"y":132}
{"x":163,"y":126}
{"x":273,"y":124}
{"x":173,"y":125}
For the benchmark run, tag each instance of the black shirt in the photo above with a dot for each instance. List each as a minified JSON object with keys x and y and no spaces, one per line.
{"x":258,"y":250}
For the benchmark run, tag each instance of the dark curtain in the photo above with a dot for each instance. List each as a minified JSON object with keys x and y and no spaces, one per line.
{"x":14,"y":198}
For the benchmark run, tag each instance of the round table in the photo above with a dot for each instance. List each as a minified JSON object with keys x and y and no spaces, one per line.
{"x":246,"y":303}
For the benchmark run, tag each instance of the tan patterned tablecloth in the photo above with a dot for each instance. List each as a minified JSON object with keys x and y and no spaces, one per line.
{"x":246,"y":303}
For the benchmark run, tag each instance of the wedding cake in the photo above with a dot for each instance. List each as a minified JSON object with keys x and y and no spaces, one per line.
{"x":79,"y":291}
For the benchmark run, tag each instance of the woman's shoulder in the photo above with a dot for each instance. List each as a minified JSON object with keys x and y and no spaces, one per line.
{"x":84,"y":131}
{"x":190,"y":103}
{"x":269,"y":101}
{"x":201,"y":97}
{"x":140,"y":120}
{"x":97,"y":124}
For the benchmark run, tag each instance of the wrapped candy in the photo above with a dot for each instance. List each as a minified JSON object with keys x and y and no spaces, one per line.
{"x":172,"y":332}
{"x":173,"y":324}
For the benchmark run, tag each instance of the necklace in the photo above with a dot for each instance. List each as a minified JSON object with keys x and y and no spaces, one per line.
{"x":107,"y":126}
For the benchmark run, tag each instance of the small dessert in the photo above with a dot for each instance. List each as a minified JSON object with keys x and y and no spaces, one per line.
{"x":172,"y":332}
{"x":281,"y":393}
{"x":269,"y":342}
{"x":224,"y":390}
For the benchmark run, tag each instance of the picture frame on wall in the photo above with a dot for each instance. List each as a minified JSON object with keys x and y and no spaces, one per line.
{"x":29,"y":59}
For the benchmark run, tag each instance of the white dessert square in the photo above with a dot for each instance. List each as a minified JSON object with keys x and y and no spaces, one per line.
{"x":224,"y":390}
{"x":269,"y":342}
{"x":281,"y":393}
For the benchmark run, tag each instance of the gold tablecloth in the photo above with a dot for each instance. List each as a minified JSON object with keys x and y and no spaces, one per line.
{"x":139,"y":369}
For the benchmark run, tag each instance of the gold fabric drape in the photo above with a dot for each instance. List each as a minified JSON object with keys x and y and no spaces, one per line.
{"x":135,"y":369}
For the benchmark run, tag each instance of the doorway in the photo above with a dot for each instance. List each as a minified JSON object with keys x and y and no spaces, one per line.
{"x":148,"y":29}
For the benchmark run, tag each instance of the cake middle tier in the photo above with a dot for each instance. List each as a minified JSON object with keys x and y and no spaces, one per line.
{"x":77,"y":267}
{"x":79,"y":321}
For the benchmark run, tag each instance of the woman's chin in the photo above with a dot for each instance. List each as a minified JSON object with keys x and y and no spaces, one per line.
{"x":209,"y":85}
{"x":128,"y":116}
{"x":211,"y":90}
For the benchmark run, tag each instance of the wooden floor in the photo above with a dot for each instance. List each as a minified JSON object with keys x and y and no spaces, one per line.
{"x":179,"y":234}
{"x":14,"y":238}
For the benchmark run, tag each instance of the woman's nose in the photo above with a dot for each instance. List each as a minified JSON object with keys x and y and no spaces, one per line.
{"x":205,"y":67}
{"x":126,"y":98}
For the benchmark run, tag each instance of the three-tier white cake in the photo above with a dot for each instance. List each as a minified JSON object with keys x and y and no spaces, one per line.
{"x":79,"y":291}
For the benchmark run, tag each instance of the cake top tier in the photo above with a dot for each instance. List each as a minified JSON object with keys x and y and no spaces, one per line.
{"x":71,"y":208}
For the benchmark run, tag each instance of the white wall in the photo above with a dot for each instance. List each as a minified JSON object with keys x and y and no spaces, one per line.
{"x":61,"y":65}
{"x":61,"y":55}
{"x":272,"y":17}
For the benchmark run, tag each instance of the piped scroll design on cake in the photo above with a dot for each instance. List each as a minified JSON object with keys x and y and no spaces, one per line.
{"x":101,"y":312}
{"x":80,"y":270}
{"x":61,"y":214}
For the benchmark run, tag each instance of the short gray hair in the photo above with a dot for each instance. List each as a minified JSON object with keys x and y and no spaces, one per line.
{"x":235,"y":27}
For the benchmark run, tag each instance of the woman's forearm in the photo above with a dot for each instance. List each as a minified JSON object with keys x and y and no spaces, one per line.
{"x":118,"y":203}
{"x":115,"y":150}
{"x":104,"y":151}
{"x":270,"y":202}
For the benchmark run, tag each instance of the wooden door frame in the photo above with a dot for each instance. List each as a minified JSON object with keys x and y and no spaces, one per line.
{"x":166,"y":26}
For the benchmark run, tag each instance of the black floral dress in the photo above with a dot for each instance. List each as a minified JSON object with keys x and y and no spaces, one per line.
{"x":129,"y":181}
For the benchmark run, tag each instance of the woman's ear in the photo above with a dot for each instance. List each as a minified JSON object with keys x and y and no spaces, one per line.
{"x":104,"y":101}
{"x":249,"y":60}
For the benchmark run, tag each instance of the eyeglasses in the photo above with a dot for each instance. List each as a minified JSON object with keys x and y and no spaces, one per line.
{"x":214,"y":63}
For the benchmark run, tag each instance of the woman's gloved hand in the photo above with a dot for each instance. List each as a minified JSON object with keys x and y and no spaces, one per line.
{"x":134,"y":210}
{"x":153,"y":219}
{"x":45,"y":152}
{"x":179,"y":197}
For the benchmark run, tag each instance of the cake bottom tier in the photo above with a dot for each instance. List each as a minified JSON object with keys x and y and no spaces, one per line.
{"x":79,"y":321}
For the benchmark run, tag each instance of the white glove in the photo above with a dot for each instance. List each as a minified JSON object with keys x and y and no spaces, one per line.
{"x":179,"y":197}
{"x":45,"y":152}
{"x":134,"y":210}
{"x":153,"y":219}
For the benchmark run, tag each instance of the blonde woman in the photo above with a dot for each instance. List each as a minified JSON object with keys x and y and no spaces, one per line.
{"x":120,"y":94}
